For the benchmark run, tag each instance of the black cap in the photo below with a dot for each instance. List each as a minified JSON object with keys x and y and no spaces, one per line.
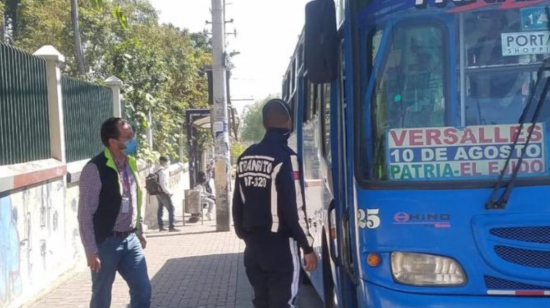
{"x":274,"y":104}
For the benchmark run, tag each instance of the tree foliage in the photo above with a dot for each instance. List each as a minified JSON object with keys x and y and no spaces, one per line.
{"x":163,"y":67}
{"x":77,"y":39}
{"x":8,"y":22}
{"x":2,"y":22}
{"x":237,"y":149}
{"x":253,"y":128}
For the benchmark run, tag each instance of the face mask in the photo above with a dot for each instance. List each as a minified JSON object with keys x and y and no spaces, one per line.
{"x":131,"y":147}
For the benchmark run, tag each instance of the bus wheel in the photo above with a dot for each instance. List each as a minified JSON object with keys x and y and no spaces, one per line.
{"x":328,"y":282}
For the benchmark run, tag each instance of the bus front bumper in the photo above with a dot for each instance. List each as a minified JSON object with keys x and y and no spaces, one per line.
{"x":379,"y":297}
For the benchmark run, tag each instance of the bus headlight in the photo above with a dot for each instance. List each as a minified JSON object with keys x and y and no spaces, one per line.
{"x":426,"y":270}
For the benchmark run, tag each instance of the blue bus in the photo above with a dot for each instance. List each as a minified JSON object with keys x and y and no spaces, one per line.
{"x":422,"y":127}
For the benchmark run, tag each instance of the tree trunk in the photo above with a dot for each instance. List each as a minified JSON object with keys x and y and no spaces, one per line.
{"x":3,"y":29}
{"x":77,"y":40}
{"x":10,"y":25}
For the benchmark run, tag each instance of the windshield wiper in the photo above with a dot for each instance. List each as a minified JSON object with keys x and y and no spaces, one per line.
{"x":501,"y":203}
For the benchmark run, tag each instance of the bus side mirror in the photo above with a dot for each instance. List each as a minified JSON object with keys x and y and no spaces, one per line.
{"x":321,"y":41}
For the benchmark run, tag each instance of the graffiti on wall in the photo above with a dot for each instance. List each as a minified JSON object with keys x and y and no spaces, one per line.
{"x":39,"y":239}
{"x":26,"y":236}
{"x":75,"y":234}
{"x":10,"y":276}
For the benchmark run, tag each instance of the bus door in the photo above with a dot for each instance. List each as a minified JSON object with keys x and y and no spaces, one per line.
{"x":342,"y":210}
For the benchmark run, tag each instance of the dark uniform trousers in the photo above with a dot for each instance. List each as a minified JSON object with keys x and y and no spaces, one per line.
{"x":273,"y":268}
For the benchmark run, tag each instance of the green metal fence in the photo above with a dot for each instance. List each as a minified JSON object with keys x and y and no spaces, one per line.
{"x":24,"y":121}
{"x":85,"y":107}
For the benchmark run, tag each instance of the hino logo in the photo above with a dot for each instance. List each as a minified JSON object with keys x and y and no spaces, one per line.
{"x":401,"y":217}
{"x":438,"y":220}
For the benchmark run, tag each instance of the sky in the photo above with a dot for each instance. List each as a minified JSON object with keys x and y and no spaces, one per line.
{"x":267,"y":33}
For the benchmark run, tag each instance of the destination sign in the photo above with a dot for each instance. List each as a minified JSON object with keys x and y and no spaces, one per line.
{"x":474,"y":152}
{"x":468,"y":5}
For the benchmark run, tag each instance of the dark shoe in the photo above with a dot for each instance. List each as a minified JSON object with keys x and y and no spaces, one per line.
{"x":162,"y":229}
{"x":174,"y":230}
{"x":193,"y":219}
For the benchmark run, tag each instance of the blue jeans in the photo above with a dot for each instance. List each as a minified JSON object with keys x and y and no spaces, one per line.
{"x":126,"y":257}
{"x":165,"y":201}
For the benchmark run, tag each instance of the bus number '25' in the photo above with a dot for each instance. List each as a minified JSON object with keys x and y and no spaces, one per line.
{"x":369,"y":220}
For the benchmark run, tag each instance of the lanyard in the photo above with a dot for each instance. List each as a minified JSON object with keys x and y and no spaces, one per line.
{"x":123,"y":172}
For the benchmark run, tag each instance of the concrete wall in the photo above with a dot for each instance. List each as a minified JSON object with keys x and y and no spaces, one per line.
{"x":39,"y":236}
{"x":39,"y":239}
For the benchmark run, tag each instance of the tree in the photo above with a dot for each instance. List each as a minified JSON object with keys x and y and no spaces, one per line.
{"x":2,"y":23}
{"x":162,"y":66}
{"x":77,"y":40}
{"x":253,"y":127}
{"x":237,"y":149}
{"x":8,"y":22}
{"x":47,"y":22}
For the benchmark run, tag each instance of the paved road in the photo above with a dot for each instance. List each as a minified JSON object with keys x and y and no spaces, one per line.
{"x":195,"y":268}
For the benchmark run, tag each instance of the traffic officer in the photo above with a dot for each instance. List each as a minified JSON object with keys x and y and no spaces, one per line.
{"x":269,"y":212}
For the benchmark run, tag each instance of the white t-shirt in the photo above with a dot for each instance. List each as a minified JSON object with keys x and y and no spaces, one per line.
{"x":164,"y":179}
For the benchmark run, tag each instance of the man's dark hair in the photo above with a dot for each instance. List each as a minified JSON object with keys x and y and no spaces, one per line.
{"x":110,"y":129}
{"x":163,"y":159}
{"x":201,"y":177}
{"x":276,"y":113}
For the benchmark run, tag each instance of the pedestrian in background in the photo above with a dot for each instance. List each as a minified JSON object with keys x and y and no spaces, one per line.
{"x":165,"y":197}
{"x":206,"y":194}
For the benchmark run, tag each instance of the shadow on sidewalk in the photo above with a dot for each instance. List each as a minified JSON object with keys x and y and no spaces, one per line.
{"x":193,"y":282}
{"x":180,"y":233}
{"x":211,"y":281}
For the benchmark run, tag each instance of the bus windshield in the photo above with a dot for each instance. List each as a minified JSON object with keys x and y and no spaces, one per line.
{"x":447,"y":93}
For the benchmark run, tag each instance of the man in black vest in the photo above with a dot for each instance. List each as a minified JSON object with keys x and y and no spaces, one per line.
{"x":109,"y":216}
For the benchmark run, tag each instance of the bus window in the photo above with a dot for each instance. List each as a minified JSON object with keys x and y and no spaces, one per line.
{"x":500,"y":70}
{"x":410,"y":89}
{"x":296,"y":70}
{"x":292,"y":75}
{"x":317,"y":104}
{"x":326,"y":122}
{"x":306,"y":101}
{"x":293,"y":105}
{"x":285,"y":89}
{"x":416,"y":135}
{"x":375,"y":45}
{"x":311,"y":100}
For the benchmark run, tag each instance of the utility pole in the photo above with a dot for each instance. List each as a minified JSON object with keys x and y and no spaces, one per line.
{"x":220,"y":125}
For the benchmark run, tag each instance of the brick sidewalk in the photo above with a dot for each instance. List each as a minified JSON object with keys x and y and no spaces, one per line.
{"x":195,"y":268}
